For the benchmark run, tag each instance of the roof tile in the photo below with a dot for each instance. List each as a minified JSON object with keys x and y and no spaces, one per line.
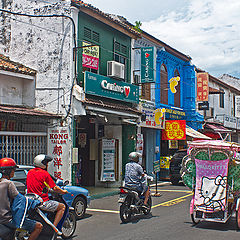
{"x":8,"y":65}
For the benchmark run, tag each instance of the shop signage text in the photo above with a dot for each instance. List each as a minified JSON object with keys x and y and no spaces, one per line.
{"x":174,"y":130}
{"x":202,"y":87}
{"x":103,"y":86}
{"x":58,"y":147}
{"x":90,"y":56}
{"x":148,"y":56}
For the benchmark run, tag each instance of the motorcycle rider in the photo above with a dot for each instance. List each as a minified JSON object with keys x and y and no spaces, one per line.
{"x":39,"y":178}
{"x":134,"y":176}
{"x":9,"y":192}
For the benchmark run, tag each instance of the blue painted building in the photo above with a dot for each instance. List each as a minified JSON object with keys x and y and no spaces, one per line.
{"x":178,"y":97}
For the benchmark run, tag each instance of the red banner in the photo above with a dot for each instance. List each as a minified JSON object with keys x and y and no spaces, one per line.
{"x":174,"y":130}
{"x":202,"y":87}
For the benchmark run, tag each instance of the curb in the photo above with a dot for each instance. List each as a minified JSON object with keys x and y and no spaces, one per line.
{"x":102,"y":195}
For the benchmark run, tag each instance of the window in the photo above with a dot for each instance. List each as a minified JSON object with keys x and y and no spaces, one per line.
{"x":221,"y":98}
{"x":91,"y":35}
{"x":163,"y":85}
{"x":177,"y":95}
{"x":120,"y":54}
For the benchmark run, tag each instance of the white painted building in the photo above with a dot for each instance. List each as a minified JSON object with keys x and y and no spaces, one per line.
{"x":46,"y":45}
{"x":222,"y":106}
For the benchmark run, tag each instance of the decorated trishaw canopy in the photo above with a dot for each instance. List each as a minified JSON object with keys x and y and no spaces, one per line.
{"x":217,"y":144}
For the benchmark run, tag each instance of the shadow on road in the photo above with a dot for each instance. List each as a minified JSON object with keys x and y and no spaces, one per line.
{"x":135,"y":219}
{"x":228,"y":226}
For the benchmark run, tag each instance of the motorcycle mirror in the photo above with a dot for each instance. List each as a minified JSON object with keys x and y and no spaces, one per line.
{"x":45,"y":190}
{"x":66,"y":183}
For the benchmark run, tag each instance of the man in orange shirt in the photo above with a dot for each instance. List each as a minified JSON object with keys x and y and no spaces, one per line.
{"x":37,"y":179}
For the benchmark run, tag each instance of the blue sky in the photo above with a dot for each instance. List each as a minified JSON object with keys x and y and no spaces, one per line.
{"x":206,"y":30}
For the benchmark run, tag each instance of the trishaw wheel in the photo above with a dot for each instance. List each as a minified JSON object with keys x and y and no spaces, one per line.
{"x":194,"y":219}
{"x":238,"y":219}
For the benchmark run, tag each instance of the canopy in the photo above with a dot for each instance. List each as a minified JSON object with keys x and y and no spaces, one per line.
{"x":195,"y":134}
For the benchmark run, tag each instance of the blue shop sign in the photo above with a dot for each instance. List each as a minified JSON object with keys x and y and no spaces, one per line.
{"x":175,"y":114}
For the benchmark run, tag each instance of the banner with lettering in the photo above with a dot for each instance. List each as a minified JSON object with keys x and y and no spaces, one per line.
{"x":174,"y":130}
{"x":211,"y":182}
{"x":90,"y":56}
{"x":58,"y":148}
{"x":202,"y":87}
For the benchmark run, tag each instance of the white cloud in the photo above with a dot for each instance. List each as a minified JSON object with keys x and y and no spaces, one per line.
{"x":208,"y":31}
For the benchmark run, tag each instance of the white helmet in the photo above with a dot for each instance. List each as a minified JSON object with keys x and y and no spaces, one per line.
{"x":134,"y":156}
{"x":42,"y":160}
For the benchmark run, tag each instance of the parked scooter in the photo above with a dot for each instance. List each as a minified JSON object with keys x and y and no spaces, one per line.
{"x":67,"y":224}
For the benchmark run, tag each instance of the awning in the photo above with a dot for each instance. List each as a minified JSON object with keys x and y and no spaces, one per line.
{"x":217,"y":128}
{"x":195,"y":134}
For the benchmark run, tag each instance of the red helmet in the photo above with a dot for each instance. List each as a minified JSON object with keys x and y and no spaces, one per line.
{"x":7,"y":163}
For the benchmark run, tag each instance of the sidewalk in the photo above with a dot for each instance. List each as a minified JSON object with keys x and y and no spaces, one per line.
{"x":100,"y":192}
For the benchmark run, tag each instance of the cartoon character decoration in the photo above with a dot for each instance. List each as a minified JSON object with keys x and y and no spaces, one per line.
{"x":208,"y":171}
{"x":213,"y":192}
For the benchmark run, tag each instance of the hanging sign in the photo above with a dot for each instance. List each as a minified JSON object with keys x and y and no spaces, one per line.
{"x":108,"y":160}
{"x":154,"y":118}
{"x":58,"y":148}
{"x":174,"y":130}
{"x":148,"y":64}
{"x":90,"y":56}
{"x":237,"y":106}
{"x":202,"y":87}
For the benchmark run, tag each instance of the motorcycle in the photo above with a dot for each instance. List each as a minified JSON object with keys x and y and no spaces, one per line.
{"x":131,"y":203}
{"x":67,"y":224}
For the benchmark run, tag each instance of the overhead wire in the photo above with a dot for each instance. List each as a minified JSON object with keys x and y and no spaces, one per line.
{"x":76,"y":41}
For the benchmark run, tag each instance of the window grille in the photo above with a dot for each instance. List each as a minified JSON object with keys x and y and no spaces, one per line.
{"x":22,"y":149}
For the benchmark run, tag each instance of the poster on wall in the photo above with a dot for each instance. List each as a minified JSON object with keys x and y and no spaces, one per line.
{"x":58,"y":148}
{"x":174,"y":130}
{"x":173,"y":144}
{"x":90,"y":56}
{"x":108,"y":160}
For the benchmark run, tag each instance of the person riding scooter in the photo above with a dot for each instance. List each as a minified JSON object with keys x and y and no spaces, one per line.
{"x":11,"y":202}
{"x":38,"y":179}
{"x":135,"y":177}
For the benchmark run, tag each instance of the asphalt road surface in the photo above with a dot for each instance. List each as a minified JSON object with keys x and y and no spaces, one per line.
{"x":169,"y":220}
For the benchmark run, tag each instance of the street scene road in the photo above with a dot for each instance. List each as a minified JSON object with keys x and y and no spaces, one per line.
{"x":169,"y":220}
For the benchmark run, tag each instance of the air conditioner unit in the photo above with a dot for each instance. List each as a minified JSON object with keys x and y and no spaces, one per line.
{"x":115,"y":69}
{"x":137,"y":79}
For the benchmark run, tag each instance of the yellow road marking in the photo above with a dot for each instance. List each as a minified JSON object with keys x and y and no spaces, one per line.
{"x":165,"y":204}
{"x":162,"y":190}
{"x":172,"y":202}
{"x":101,"y":210}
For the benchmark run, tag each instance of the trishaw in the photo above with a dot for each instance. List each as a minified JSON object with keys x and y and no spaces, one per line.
{"x":212,"y":170}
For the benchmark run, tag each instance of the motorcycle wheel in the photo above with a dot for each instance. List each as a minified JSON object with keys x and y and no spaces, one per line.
{"x":149,"y":203}
{"x":69,"y":226}
{"x":125,"y":213}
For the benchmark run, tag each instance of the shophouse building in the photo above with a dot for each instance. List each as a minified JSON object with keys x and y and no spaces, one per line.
{"x":222,"y":113}
{"x":23,"y":128}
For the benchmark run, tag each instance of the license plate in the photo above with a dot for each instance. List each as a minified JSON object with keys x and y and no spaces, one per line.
{"x":121,"y":199}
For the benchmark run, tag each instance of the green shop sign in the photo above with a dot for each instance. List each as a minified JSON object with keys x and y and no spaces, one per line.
{"x":148,"y":64}
{"x":103,"y":86}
